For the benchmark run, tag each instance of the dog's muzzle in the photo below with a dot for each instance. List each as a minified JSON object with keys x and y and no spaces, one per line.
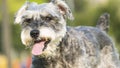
{"x":40,"y":43}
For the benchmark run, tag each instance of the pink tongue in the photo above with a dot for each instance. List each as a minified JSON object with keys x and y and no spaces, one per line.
{"x":38,"y":48}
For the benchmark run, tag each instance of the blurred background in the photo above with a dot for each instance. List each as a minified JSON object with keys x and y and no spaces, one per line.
{"x":86,"y":12}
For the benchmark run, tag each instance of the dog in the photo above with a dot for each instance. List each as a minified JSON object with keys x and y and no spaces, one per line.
{"x":55,"y":45}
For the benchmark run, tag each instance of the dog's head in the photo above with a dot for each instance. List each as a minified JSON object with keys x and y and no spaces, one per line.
{"x":43,"y":25}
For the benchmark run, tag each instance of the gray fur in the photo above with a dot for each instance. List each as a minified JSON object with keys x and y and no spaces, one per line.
{"x":69,"y":47}
{"x":103,"y":22}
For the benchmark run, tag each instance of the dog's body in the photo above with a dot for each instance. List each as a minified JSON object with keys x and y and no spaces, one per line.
{"x":55,"y":45}
{"x":82,"y":47}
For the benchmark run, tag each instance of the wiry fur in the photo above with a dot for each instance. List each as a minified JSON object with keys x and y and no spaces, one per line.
{"x":69,"y":47}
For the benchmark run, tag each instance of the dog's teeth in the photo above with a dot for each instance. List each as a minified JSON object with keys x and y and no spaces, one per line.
{"x":45,"y":39}
{"x":40,"y":39}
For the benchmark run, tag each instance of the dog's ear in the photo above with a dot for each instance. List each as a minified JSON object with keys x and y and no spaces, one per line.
{"x":18,"y":15}
{"x":64,"y":9}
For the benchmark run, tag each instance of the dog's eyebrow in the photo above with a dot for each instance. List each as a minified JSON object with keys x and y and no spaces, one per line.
{"x":47,"y":15}
{"x":51,"y":12}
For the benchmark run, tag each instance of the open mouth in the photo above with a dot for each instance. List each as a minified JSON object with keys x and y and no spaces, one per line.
{"x":40,"y":45}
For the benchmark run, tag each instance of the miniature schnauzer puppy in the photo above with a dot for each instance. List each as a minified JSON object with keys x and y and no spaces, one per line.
{"x":55,"y":45}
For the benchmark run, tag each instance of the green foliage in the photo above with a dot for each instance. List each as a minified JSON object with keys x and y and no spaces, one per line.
{"x":18,"y":46}
{"x":38,"y":1}
{"x":14,"y":5}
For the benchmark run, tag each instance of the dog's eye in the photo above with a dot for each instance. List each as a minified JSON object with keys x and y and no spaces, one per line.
{"x":27,"y":20}
{"x":48,"y":18}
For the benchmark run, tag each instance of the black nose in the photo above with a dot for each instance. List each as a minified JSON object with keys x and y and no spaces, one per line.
{"x":34,"y":33}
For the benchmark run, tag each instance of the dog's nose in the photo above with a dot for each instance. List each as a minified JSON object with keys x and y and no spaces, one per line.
{"x":34,"y":33}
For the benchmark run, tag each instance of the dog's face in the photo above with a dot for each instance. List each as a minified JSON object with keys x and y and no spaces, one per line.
{"x":43,"y":25}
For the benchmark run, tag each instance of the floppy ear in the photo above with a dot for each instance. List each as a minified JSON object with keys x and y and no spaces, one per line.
{"x":64,"y":9}
{"x":18,"y":16}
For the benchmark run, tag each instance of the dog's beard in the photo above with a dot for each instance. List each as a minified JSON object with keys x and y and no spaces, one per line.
{"x":45,"y":44}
